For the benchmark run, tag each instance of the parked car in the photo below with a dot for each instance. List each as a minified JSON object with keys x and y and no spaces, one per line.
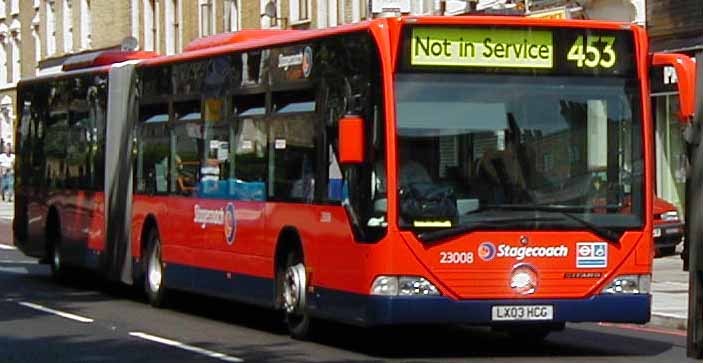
{"x":668,"y":227}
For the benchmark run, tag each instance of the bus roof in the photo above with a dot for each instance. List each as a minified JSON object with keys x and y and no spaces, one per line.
{"x":252,"y":39}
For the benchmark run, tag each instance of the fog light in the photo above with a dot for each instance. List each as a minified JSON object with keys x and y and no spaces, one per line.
{"x":629,"y":284}
{"x":403,"y":286}
{"x":524,"y":280}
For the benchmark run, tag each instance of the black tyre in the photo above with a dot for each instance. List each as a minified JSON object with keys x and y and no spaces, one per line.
{"x":293,"y":296}
{"x":59,"y":271}
{"x":154,"y":284}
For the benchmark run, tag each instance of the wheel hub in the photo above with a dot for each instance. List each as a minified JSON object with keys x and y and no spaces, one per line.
{"x":294,"y":288}
{"x":155,"y":269}
{"x":57,"y":258}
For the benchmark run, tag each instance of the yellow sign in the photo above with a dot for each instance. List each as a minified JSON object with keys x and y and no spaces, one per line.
{"x":462,"y":47}
{"x":559,"y":13}
{"x":433,"y":224}
{"x":213,"y":109}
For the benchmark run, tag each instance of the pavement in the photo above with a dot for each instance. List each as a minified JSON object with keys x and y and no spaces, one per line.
{"x":669,"y":292}
{"x":669,"y":281}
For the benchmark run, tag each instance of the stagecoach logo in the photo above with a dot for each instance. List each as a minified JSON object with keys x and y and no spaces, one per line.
{"x":230,"y":223}
{"x":486,"y":251}
{"x":307,"y":62}
{"x":204,"y":216}
{"x":225,"y":217}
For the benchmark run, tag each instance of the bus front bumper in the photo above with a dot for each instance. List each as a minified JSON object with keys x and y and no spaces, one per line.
{"x":382,"y":310}
{"x":599,"y":308}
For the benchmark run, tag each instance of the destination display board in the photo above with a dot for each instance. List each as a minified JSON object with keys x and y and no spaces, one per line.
{"x":519,"y":50}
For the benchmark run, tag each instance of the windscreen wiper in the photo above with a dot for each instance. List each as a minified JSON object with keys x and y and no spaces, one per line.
{"x":486,"y":224}
{"x":605,"y":233}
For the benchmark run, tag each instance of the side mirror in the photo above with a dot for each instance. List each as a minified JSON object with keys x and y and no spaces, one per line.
{"x":685,"y":69}
{"x":351,"y":139}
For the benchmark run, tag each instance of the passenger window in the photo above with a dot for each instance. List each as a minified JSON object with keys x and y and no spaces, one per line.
{"x":186,"y":143}
{"x":292,"y":151}
{"x":216,"y":173}
{"x":153,"y":150}
{"x":250,"y":148}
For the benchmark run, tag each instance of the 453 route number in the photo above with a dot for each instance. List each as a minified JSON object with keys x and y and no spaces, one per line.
{"x":596,"y":51}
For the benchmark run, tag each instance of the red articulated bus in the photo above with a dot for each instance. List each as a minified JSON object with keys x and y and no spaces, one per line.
{"x":479,"y":169}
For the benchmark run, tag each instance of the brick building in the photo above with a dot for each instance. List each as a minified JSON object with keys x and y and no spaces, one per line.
{"x":37,"y":36}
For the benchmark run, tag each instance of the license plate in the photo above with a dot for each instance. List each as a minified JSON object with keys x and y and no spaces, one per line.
{"x":522,"y":312}
{"x":657,"y":232}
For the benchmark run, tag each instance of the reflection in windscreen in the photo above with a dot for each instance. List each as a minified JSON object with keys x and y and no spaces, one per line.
{"x":469,"y":141}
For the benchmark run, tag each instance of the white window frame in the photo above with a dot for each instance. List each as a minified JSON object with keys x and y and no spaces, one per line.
{"x":36,"y":36}
{"x":269,"y":22}
{"x":356,"y":11}
{"x":151,"y":25}
{"x":3,"y":9}
{"x":232,"y":10}
{"x":209,"y":28}
{"x":50,"y":28}
{"x":4,"y":40}
{"x":294,"y":11}
{"x":67,"y":26}
{"x":14,"y":7}
{"x":86,"y":25}
{"x":172,"y":21}
{"x":134,"y":16}
{"x":15,"y":55}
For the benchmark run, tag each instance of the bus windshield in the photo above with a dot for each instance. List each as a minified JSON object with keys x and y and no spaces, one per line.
{"x":476,"y":147}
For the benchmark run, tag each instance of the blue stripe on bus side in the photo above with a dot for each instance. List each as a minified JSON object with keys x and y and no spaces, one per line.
{"x":240,"y":287}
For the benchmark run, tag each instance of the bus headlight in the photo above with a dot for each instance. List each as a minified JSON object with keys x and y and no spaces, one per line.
{"x":629,"y":284}
{"x":670,"y":216}
{"x":403,"y":286}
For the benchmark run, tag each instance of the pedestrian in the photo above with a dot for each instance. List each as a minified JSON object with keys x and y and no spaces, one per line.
{"x":7,"y":161}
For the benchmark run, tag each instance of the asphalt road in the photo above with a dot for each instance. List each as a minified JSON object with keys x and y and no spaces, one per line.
{"x":91,"y":321}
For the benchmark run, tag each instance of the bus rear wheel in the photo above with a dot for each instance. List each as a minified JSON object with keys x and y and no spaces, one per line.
{"x":58,"y":269}
{"x":293,"y":295}
{"x":154,"y":285}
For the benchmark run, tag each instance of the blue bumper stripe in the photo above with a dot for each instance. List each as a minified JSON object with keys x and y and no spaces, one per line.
{"x":379,"y":310}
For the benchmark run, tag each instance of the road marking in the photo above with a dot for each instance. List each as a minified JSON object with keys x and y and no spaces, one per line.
{"x":6,"y":247}
{"x":14,"y":270}
{"x":18,"y":262}
{"x":56,"y":312}
{"x":187,"y":347}
{"x":679,"y":333}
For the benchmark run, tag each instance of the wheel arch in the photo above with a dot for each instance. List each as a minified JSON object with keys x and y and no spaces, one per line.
{"x":150,"y":223}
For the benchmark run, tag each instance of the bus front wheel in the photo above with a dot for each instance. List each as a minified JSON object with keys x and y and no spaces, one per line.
{"x":293,"y":297}
{"x":154,"y":284}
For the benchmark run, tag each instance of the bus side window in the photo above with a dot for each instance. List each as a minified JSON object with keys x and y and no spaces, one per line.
{"x":186,"y":144}
{"x":250,"y":148}
{"x":153,"y":149}
{"x":97,"y":95}
{"x":55,"y":140}
{"x":292,"y":150}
